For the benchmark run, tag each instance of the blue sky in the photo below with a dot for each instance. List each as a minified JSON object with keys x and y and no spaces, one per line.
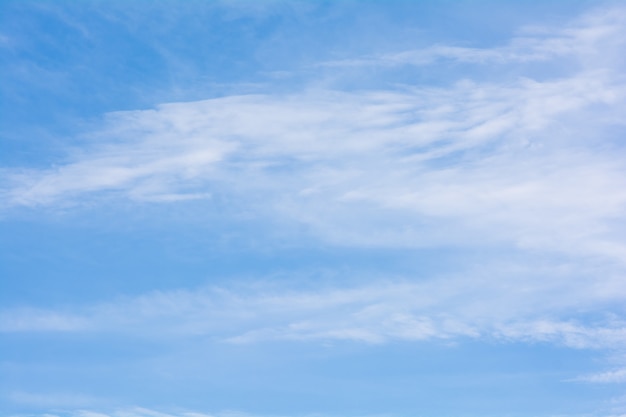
{"x":307,"y":208}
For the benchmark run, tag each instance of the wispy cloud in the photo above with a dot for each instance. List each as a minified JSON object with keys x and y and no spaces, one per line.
{"x":151,"y":412}
{"x":54,"y":400}
{"x":520,"y":163}
{"x":599,"y":33}
{"x":36,"y":320}
{"x":614,"y":376}
{"x":527,"y":167}
{"x":527,"y":162}
{"x":148,"y":412}
{"x":412,"y":168}
{"x":130,"y":412}
{"x":506,"y":307}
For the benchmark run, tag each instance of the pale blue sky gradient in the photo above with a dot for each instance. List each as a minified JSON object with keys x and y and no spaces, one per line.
{"x":312,"y":208}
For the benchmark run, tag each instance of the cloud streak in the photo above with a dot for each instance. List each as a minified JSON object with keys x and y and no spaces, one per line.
{"x":598,"y":33}
{"x":498,"y":307}
{"x":476,"y":158}
{"x":609,"y":377}
{"x":150,"y":412}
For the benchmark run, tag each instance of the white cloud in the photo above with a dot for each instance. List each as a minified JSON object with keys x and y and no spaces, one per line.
{"x":521,"y":163}
{"x":524,"y":162}
{"x":54,"y":400}
{"x":568,"y":333}
{"x":599,"y":33}
{"x":527,"y":163}
{"x":132,"y":412}
{"x":614,"y":376}
{"x":144,"y":412}
{"x":28,"y":320}
{"x":490,"y":304}
{"x":150,"y":412}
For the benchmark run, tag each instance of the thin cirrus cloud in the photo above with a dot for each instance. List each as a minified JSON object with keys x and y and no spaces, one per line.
{"x":530,"y":168}
{"x":614,"y":376}
{"x":480,"y":305}
{"x":596,"y":33}
{"x":527,"y":162}
{"x":149,"y":412}
{"x":532,"y":164}
{"x":138,"y":412}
